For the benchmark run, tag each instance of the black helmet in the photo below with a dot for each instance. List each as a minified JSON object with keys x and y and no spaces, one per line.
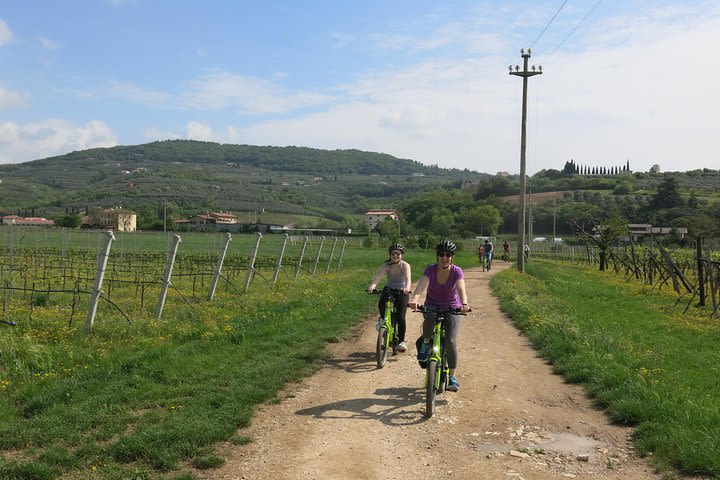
{"x":396,"y":246}
{"x":445,"y":246}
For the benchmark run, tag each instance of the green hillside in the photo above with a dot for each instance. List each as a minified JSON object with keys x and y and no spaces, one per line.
{"x":196,"y":176}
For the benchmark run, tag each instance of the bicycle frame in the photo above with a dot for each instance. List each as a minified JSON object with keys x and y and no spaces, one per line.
{"x":438,"y":354}
{"x":437,"y":372}
{"x":388,"y":332}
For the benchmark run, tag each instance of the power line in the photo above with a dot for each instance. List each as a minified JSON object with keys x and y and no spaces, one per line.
{"x":548,"y":24}
{"x":575,"y":28}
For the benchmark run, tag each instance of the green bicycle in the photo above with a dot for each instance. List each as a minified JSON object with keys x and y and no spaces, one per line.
{"x":485,"y":261}
{"x":387,"y":337}
{"x":437,"y":372}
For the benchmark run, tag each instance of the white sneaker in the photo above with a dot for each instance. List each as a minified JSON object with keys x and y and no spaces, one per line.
{"x":402,"y":347}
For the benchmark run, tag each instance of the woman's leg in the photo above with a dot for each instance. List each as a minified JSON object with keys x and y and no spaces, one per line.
{"x":382,"y":302}
{"x":452,"y":326}
{"x":401,"y":305}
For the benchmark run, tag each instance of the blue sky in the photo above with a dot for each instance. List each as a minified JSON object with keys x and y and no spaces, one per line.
{"x":622,"y":81}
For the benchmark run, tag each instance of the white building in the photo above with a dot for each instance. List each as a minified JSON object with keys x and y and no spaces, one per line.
{"x":373,"y":217}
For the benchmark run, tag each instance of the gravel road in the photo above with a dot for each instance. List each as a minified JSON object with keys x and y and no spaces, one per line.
{"x":512,"y":418}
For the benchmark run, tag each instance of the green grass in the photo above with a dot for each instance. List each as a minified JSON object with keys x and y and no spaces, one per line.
{"x":644,"y":362}
{"x":148,"y":396}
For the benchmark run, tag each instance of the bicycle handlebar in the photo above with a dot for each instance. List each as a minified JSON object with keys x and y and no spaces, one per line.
{"x":375,"y":291}
{"x":444,"y":311}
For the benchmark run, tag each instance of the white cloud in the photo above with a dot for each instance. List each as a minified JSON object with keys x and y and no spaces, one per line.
{"x":138,"y":95}
{"x":199,"y":131}
{"x":31,"y":141}
{"x":10,"y":99}
{"x":49,"y":44}
{"x":5,"y":33}
{"x":153,"y":134}
{"x":248,"y":95}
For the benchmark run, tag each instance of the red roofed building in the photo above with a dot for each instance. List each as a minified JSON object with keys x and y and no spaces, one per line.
{"x":373,"y":217}
{"x":25,"y":221}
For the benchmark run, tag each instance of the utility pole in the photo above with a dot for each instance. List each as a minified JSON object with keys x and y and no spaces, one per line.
{"x":524,"y":73}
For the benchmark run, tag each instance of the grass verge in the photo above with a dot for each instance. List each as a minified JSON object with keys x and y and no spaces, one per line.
{"x":645,"y":363}
{"x":141,"y":400}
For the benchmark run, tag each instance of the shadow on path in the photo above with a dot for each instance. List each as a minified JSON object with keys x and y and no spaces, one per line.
{"x":394,"y":407}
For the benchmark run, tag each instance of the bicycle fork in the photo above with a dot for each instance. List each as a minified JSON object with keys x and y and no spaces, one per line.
{"x":438,"y":356}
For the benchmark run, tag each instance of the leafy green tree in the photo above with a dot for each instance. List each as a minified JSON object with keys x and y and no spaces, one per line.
{"x":484,"y":219}
{"x":148,"y":218}
{"x":68,"y":220}
{"x":603,"y":234}
{"x":442,"y":223}
{"x":569,"y":168}
{"x":668,"y":194}
{"x":388,"y":228}
{"x":699,"y":225}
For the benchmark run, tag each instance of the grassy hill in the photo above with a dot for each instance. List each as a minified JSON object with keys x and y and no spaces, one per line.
{"x":198,"y":176}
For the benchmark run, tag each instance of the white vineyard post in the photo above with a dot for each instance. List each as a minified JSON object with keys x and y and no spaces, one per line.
{"x":251,"y":262}
{"x":102,"y":259}
{"x":12,"y":258}
{"x":300,"y":258}
{"x":342,"y":253}
{"x":332,"y":251}
{"x":278,"y":264}
{"x":168,"y":272}
{"x":317,"y":258}
{"x":218,"y":266}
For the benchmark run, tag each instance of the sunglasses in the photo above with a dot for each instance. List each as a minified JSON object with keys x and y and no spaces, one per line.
{"x":445,"y":254}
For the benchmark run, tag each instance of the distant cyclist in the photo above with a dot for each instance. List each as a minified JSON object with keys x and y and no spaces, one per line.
{"x":486,"y":250}
{"x":506,"y":251}
{"x":445,"y":284}
{"x":398,"y":274}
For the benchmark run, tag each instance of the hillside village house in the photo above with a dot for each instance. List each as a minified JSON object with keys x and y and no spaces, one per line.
{"x":17,"y":221}
{"x":117,"y":219}
{"x":211,"y":221}
{"x":373,"y":217}
{"x":639,"y":231}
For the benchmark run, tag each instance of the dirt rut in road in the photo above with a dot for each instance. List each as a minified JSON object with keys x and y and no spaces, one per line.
{"x":512,"y":418}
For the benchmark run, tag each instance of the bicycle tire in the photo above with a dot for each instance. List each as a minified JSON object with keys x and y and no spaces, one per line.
{"x":431,"y":375}
{"x":381,"y":350}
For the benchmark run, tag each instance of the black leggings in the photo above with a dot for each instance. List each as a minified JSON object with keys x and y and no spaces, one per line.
{"x":401,"y":304}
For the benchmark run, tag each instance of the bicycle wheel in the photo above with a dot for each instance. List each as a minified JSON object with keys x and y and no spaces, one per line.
{"x":430,"y":378}
{"x":381,"y":350}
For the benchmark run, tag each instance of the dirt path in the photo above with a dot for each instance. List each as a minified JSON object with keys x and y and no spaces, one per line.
{"x":512,"y":418}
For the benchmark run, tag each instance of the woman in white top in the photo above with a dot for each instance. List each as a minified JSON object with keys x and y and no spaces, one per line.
{"x":398,"y":283}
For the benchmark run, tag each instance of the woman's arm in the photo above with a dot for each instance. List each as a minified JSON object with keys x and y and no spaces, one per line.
{"x":419,"y":290}
{"x":381,"y":271}
{"x":408,"y":277}
{"x":462,"y":293}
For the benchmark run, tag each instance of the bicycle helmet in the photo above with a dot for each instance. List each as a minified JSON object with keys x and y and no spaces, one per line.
{"x":446,"y":246}
{"x":396,"y":246}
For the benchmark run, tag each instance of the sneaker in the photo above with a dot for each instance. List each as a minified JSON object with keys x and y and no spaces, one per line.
{"x":402,"y":347}
{"x":380,"y":323}
{"x":424,"y":352}
{"x":453,"y":384}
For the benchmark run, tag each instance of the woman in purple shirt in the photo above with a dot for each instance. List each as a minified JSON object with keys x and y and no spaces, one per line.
{"x":445,"y":284}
